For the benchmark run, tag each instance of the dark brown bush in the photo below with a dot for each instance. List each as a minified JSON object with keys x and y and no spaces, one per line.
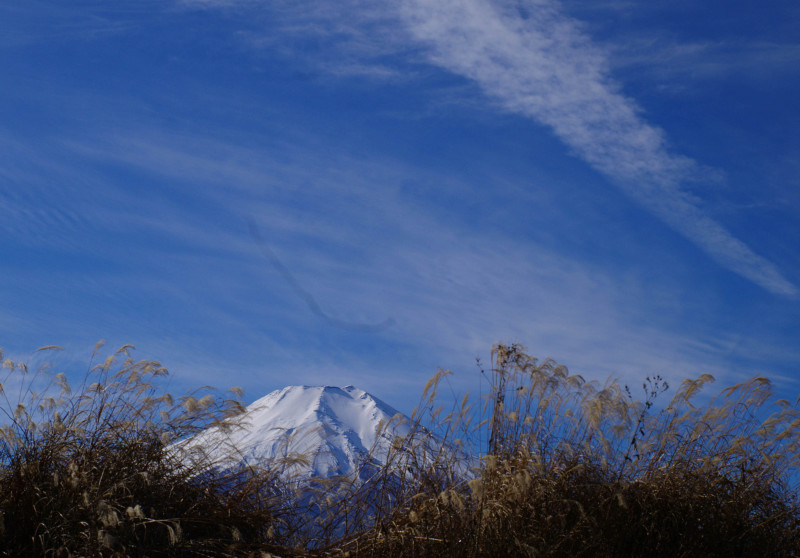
{"x":89,"y":473}
{"x":566,"y":468}
{"x":576,"y":469}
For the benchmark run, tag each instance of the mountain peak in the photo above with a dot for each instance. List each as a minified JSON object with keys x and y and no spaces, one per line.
{"x":310,"y":431}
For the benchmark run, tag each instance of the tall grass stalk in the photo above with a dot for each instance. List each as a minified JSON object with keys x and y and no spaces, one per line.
{"x":86,"y":473}
{"x":574,"y":468}
{"x":547,"y":464}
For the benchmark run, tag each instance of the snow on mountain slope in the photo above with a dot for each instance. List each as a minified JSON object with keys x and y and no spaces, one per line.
{"x":309,"y":431}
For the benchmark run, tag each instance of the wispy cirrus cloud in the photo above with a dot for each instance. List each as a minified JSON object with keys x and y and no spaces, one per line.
{"x":451,"y":290}
{"x":38,"y":21}
{"x":534,"y":60}
{"x":418,"y":269}
{"x":674,"y":64}
{"x":537,"y":62}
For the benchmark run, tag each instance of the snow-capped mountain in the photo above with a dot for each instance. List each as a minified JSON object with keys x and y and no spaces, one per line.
{"x":309,"y":432}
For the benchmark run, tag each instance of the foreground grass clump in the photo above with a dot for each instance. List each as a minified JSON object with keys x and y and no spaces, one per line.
{"x":546,"y":465}
{"x":87,"y":474}
{"x":575,"y":469}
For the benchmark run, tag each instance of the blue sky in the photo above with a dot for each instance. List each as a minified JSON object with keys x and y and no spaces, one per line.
{"x":359,"y":192}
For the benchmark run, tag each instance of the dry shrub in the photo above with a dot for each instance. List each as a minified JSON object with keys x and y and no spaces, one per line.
{"x":566,"y":468}
{"x":576,"y":469}
{"x":88,"y":474}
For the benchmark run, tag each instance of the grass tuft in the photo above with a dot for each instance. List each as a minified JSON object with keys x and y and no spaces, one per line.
{"x":547,"y":464}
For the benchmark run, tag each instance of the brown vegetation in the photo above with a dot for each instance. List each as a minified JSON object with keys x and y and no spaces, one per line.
{"x":87,"y":474}
{"x":568,"y":468}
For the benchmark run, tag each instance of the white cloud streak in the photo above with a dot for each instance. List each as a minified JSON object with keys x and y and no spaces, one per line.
{"x":671,"y":63}
{"x":537,"y":62}
{"x":451,"y":291}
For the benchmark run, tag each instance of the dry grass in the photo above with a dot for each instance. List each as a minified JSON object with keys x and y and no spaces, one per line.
{"x":568,"y":468}
{"x":87,"y":474}
{"x":577,"y":469}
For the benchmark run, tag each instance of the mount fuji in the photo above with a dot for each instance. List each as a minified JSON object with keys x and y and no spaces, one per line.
{"x":309,"y":432}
